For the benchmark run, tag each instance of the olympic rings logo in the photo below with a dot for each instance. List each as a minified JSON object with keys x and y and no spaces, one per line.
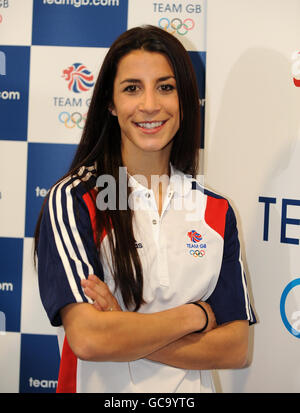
{"x":71,"y":120}
{"x":294,"y":329}
{"x":176,"y":25}
{"x":197,"y":253}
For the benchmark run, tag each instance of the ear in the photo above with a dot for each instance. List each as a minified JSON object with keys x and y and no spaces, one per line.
{"x":112,"y":109}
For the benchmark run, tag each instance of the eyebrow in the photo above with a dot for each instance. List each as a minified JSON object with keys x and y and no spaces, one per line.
{"x":161,"y":79}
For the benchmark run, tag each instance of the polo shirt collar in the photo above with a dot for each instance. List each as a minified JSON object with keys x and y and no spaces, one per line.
{"x":180,"y":184}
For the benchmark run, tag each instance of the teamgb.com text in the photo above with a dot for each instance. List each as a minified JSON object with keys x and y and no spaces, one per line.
{"x":79,"y":3}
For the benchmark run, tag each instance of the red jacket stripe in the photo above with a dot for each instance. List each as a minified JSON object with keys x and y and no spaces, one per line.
{"x":215,"y":214}
{"x":67,"y":370}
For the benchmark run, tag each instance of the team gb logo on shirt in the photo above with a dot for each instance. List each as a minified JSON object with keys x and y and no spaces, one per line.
{"x":195,"y":248}
{"x":194,"y":236}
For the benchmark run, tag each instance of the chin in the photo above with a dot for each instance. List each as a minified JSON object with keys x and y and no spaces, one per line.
{"x":156,"y":145}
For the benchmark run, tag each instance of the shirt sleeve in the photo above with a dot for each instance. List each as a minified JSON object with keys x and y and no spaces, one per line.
{"x":230,"y":300}
{"x":66,"y":251}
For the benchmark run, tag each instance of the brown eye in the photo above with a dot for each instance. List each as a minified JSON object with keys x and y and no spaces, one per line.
{"x":131,"y":88}
{"x":167,"y":87}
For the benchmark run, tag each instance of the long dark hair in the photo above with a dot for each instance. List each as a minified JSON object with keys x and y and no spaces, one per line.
{"x":101,"y":145}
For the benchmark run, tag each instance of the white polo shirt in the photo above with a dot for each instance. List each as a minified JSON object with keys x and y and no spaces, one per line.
{"x":190,"y":252}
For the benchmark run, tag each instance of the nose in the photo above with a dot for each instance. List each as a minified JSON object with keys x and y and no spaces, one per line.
{"x":150,"y":102}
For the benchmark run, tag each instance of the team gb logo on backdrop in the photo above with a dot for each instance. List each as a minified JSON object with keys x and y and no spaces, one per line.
{"x":79,"y":78}
{"x":296,"y":68}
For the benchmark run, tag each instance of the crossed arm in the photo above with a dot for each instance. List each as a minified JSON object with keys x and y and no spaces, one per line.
{"x":97,"y":334}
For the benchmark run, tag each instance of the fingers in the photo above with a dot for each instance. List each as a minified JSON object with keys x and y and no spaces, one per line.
{"x":99,"y":292}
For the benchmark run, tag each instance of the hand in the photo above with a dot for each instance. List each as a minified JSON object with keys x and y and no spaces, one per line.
{"x":211,"y":316}
{"x":98,"y":291}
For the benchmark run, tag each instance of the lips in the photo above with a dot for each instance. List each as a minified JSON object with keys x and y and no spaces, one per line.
{"x":150,"y":126}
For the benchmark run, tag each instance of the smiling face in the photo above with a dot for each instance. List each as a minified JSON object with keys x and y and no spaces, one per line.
{"x":145,"y":100}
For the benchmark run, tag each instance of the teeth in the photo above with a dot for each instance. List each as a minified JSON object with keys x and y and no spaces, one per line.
{"x":150,"y":125}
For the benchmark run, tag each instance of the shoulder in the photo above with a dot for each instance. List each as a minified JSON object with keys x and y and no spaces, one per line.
{"x":70,"y":208}
{"x":219,"y":214}
{"x":71,"y":197}
{"x":197,"y":185}
{"x":75,"y":185}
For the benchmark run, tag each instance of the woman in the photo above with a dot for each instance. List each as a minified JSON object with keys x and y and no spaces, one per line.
{"x":122,"y":277}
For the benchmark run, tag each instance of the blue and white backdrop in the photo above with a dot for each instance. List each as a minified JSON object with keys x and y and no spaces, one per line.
{"x":50,"y":55}
{"x":247,"y":58}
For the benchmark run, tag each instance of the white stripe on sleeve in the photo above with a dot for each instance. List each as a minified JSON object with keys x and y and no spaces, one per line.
{"x":66,"y":237}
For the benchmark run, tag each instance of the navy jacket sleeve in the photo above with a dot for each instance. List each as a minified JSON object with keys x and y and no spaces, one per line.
{"x":67,"y":252}
{"x":230,"y":299}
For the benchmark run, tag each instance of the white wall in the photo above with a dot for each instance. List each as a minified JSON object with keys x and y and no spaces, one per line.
{"x":252,"y":149}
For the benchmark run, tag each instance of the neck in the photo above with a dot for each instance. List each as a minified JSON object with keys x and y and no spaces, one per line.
{"x":148,"y":165}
